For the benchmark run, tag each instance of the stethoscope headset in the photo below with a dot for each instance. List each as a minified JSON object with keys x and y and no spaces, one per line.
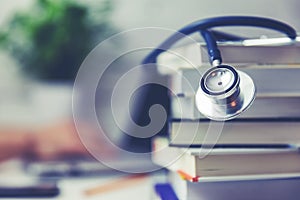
{"x":223,"y":92}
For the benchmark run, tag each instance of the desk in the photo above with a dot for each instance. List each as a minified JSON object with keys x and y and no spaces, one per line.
{"x":75,"y":188}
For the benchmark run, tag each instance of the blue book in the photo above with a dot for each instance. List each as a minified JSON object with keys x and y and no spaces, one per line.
{"x":165,"y":191}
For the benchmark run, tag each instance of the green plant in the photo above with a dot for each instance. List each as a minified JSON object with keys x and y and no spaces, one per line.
{"x":51,"y":40}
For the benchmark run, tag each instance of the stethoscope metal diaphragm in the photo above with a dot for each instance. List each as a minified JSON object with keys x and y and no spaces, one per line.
{"x":224,"y":93}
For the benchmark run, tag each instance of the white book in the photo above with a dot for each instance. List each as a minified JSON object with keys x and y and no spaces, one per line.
{"x":195,"y":55}
{"x":235,"y":132}
{"x":263,"y":107}
{"x":237,"y":188}
{"x":202,"y":162}
{"x":270,"y":80}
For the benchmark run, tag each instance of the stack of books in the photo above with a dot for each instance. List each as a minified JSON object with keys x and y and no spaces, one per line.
{"x":255,"y":156}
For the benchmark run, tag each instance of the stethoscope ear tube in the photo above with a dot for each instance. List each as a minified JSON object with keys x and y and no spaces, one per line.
{"x":240,"y":21}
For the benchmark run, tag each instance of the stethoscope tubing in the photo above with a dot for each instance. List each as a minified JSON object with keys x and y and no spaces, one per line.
{"x":204,"y":25}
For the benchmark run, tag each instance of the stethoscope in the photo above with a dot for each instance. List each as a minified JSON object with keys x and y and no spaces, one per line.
{"x":223,"y":92}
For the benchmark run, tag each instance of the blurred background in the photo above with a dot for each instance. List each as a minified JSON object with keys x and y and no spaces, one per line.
{"x":44,"y":42}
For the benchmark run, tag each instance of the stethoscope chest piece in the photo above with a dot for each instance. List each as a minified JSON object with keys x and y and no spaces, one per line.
{"x":224,"y":93}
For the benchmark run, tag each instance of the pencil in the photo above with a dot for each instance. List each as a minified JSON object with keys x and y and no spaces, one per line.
{"x":116,"y":184}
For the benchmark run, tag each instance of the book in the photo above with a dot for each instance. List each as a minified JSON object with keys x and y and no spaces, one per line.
{"x":237,"y":188}
{"x":165,"y":191}
{"x":195,"y":54}
{"x":270,"y":80}
{"x":276,"y":108}
{"x":226,"y":161}
{"x":195,"y":133}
